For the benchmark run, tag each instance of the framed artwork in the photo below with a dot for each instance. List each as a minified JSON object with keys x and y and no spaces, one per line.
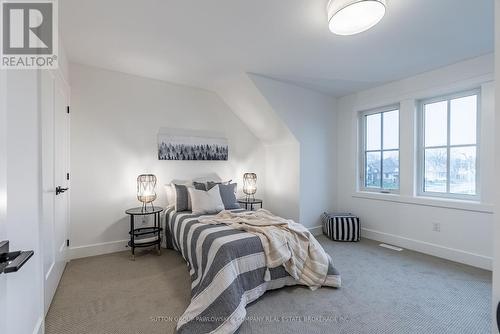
{"x":175,"y":147}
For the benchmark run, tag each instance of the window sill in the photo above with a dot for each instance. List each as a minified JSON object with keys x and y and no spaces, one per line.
{"x":428,"y":201}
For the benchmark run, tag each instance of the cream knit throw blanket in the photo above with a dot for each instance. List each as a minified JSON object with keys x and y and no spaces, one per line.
{"x":285,"y":243}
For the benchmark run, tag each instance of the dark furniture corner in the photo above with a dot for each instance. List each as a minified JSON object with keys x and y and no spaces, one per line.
{"x":11,"y":262}
{"x":250,"y":202}
{"x":498,"y":317}
{"x":154,"y":232}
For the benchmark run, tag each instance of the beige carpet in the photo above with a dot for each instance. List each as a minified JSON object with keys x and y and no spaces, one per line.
{"x":111,"y":294}
{"x":383,"y":292}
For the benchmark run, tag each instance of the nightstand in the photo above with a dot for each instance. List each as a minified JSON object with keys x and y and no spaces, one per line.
{"x":250,"y":202}
{"x":145,"y":236}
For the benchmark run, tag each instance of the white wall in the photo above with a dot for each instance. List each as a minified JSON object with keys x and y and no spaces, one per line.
{"x":297,"y":128}
{"x":310,"y":116}
{"x":115,"y":121}
{"x":496,"y":235}
{"x":282,"y":171}
{"x":466,"y":228}
{"x":282,"y":175}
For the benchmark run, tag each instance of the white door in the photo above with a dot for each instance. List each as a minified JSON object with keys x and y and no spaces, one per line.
{"x":3,"y":196}
{"x":61,"y":175}
{"x":54,"y":174}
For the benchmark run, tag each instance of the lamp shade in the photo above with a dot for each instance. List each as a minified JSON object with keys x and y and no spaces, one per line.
{"x":349,"y":17}
{"x":250,"y":183}
{"x":146,"y":184}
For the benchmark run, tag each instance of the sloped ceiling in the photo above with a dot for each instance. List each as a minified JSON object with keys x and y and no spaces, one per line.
{"x":196,"y":42}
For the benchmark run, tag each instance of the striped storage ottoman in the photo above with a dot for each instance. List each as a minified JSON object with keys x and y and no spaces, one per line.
{"x":341,"y":226}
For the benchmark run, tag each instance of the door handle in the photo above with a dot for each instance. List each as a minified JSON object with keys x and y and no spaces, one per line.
{"x":60,"y":190}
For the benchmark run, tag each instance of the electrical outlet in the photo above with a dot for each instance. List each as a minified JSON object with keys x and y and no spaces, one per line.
{"x":436,"y":227}
{"x":144,"y":221}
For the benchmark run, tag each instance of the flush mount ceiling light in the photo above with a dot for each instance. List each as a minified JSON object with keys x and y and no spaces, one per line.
{"x":349,"y":17}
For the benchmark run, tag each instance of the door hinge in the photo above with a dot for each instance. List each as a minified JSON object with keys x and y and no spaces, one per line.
{"x":67,"y":176}
{"x":67,"y":109}
{"x":67,"y":242}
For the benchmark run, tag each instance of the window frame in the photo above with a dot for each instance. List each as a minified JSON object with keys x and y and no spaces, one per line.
{"x":363,"y":148}
{"x":420,"y":183}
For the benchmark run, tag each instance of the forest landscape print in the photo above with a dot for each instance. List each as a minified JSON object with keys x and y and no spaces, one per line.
{"x":174,"y":147}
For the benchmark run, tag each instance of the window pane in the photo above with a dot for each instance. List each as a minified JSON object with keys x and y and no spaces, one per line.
{"x":390,"y":171}
{"x":463,"y":116}
{"x":373,"y":129}
{"x":373,"y":167}
{"x":435,"y":170}
{"x":463,"y":170}
{"x":391,"y":130}
{"x":436,"y":124}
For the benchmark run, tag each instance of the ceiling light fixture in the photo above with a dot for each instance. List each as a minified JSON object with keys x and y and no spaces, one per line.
{"x":349,"y":17}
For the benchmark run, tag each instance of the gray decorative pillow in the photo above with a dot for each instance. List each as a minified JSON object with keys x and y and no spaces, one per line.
{"x":181,"y":198}
{"x":228,"y":195}
{"x":211,"y":184}
{"x":200,"y":186}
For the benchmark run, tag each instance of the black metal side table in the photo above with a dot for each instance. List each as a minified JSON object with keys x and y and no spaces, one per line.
{"x":145,"y":236}
{"x":250,"y":202}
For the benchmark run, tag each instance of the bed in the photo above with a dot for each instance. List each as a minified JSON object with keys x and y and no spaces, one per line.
{"x":228,"y":271}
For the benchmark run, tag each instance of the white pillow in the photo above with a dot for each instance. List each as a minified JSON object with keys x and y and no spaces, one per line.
{"x":206,"y":201}
{"x":170,"y":190}
{"x":172,"y":194}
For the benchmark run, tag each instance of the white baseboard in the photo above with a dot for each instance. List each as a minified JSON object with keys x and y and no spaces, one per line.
{"x":120,"y":245}
{"x":456,"y":255}
{"x":40,"y":326}
{"x":475,"y":260}
{"x":97,"y":249}
{"x":317,"y":230}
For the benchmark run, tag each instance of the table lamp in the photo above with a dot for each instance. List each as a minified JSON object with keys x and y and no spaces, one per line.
{"x":146,"y":184}
{"x":250,"y":185}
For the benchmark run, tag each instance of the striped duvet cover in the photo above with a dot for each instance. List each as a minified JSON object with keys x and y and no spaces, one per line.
{"x":227,"y":268}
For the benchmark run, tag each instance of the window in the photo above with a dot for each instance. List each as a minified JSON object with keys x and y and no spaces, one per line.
{"x":448,"y":145}
{"x":380,"y":150}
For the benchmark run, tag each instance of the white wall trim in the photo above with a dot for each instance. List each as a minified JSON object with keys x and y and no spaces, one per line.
{"x":456,"y":255}
{"x":316,"y":230}
{"x":475,"y":260}
{"x":49,"y":271}
{"x":97,"y":249}
{"x":460,"y":205}
{"x":120,"y":246}
{"x":424,"y":93}
{"x":40,"y":326}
